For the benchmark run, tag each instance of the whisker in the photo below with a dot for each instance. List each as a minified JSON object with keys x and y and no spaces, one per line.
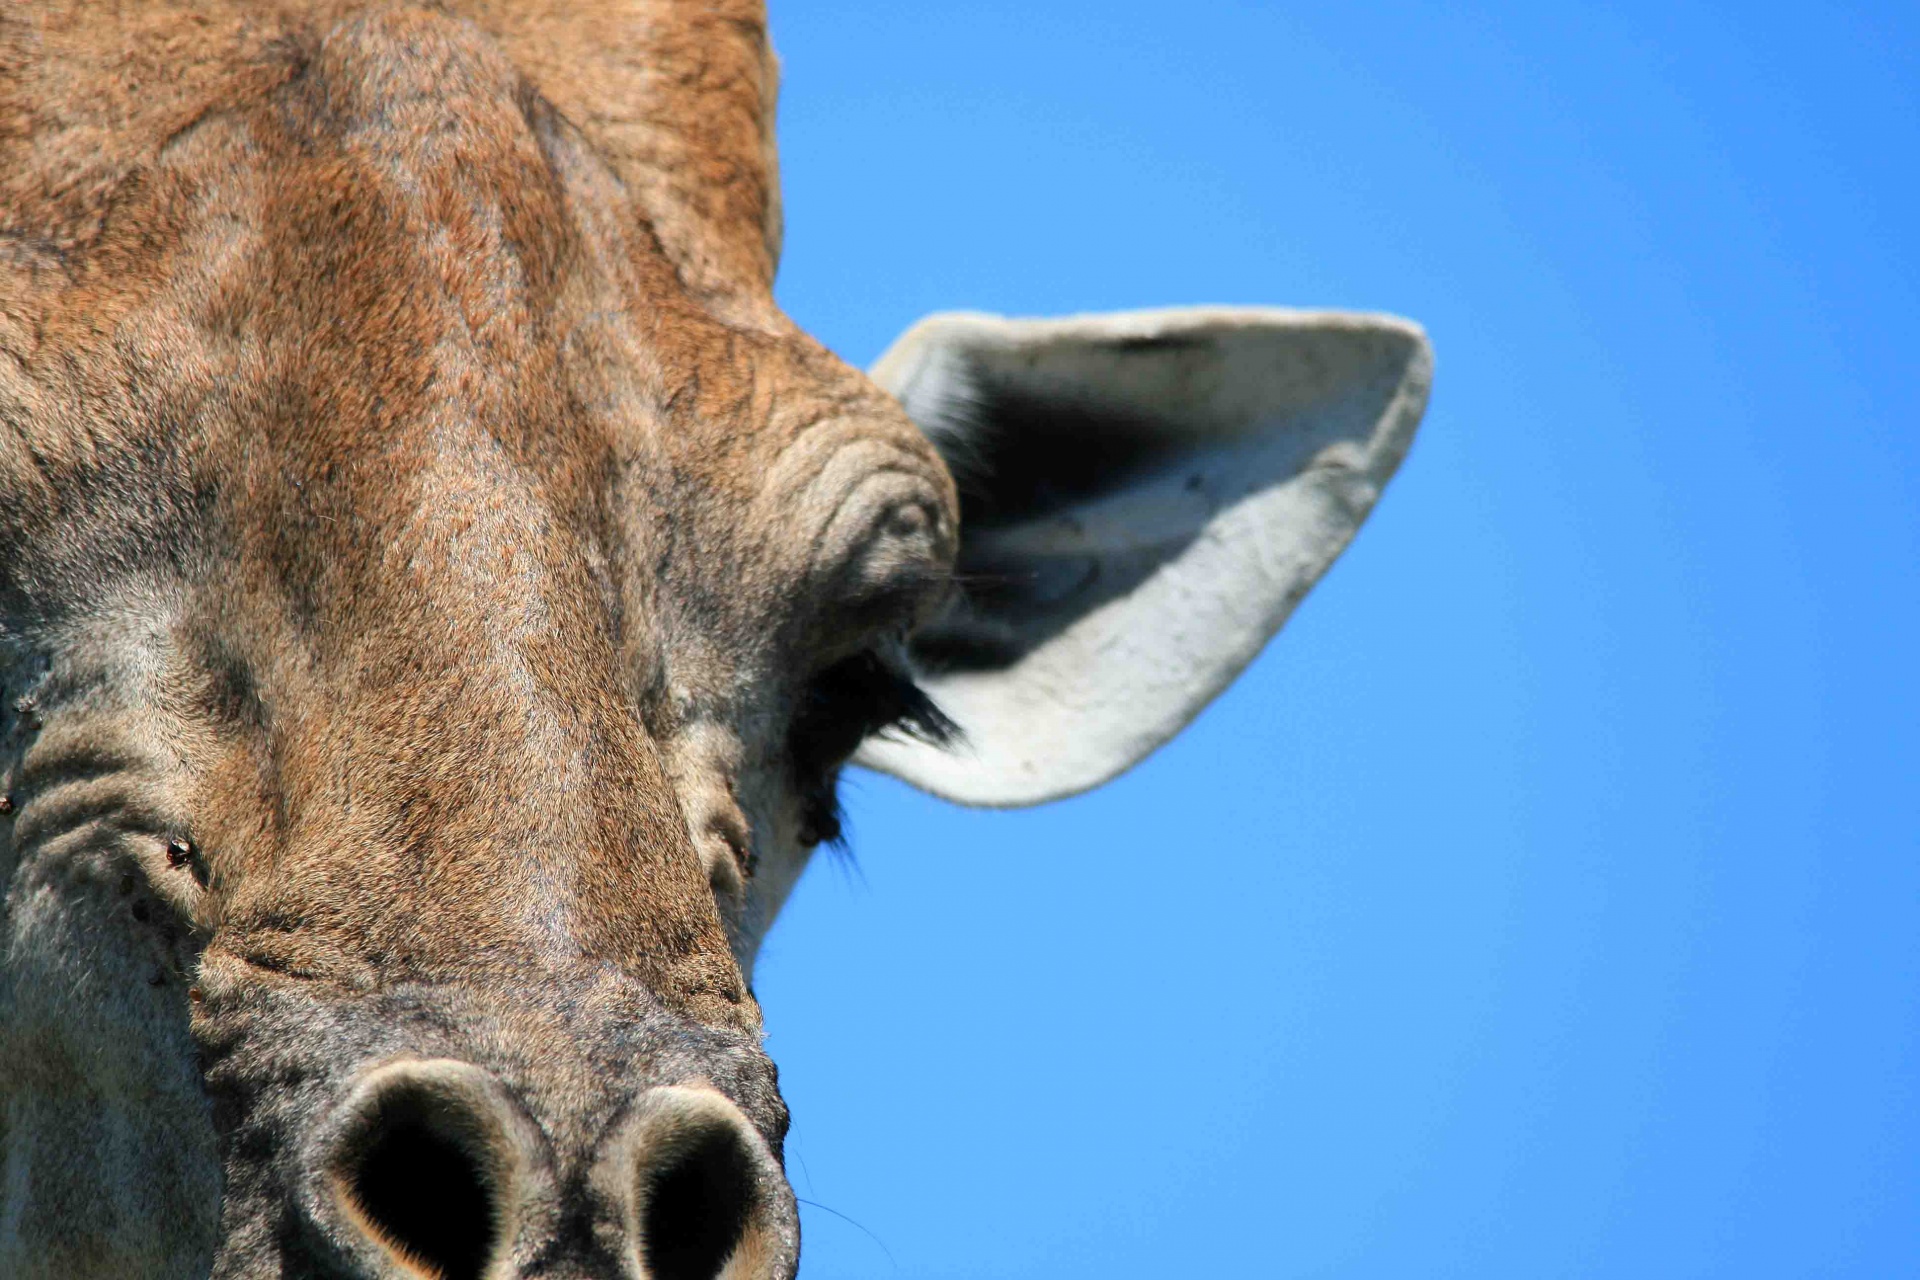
{"x":891,"y":1260}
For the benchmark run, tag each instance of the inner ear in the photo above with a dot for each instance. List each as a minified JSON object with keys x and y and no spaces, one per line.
{"x":1066,"y":503}
{"x":1145,"y":497}
{"x":1023,"y":453}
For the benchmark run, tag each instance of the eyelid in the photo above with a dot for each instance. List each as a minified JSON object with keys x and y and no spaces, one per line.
{"x":830,"y":490}
{"x":898,"y":538}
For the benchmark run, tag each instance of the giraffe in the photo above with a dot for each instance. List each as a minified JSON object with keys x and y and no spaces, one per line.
{"x":440,"y":589}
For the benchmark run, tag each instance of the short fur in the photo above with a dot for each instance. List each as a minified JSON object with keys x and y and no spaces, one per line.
{"x":418,"y":528}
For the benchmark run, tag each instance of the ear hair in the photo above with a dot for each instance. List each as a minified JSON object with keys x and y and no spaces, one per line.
{"x":950,"y":404}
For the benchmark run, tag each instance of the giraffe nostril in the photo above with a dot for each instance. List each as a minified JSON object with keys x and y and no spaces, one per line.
{"x":421,"y":1171}
{"x":425,"y":1195}
{"x":706,"y":1197}
{"x":696,"y":1198}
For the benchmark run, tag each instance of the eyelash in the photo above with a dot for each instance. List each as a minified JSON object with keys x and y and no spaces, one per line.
{"x":847,"y":703}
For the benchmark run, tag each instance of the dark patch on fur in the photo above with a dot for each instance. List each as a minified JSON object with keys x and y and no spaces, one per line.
{"x":1023,"y":453}
{"x":1164,"y":342}
{"x":847,"y":703}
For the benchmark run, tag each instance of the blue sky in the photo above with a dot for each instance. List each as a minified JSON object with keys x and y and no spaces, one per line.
{"x":1546,"y":900}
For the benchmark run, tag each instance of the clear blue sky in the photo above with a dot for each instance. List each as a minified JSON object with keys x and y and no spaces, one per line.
{"x":1545,"y":902}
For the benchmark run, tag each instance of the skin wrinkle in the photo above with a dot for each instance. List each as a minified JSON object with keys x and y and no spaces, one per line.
{"x":385,"y":464}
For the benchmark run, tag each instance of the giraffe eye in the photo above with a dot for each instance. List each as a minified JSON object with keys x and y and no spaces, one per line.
{"x":844,"y":705}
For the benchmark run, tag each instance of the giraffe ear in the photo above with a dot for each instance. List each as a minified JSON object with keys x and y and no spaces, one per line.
{"x":1145,"y":498}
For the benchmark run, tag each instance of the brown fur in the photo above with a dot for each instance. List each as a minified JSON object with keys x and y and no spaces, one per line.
{"x":412,"y":499}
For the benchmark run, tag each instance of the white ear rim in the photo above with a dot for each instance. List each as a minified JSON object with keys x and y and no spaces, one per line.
{"x":1125,"y":678}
